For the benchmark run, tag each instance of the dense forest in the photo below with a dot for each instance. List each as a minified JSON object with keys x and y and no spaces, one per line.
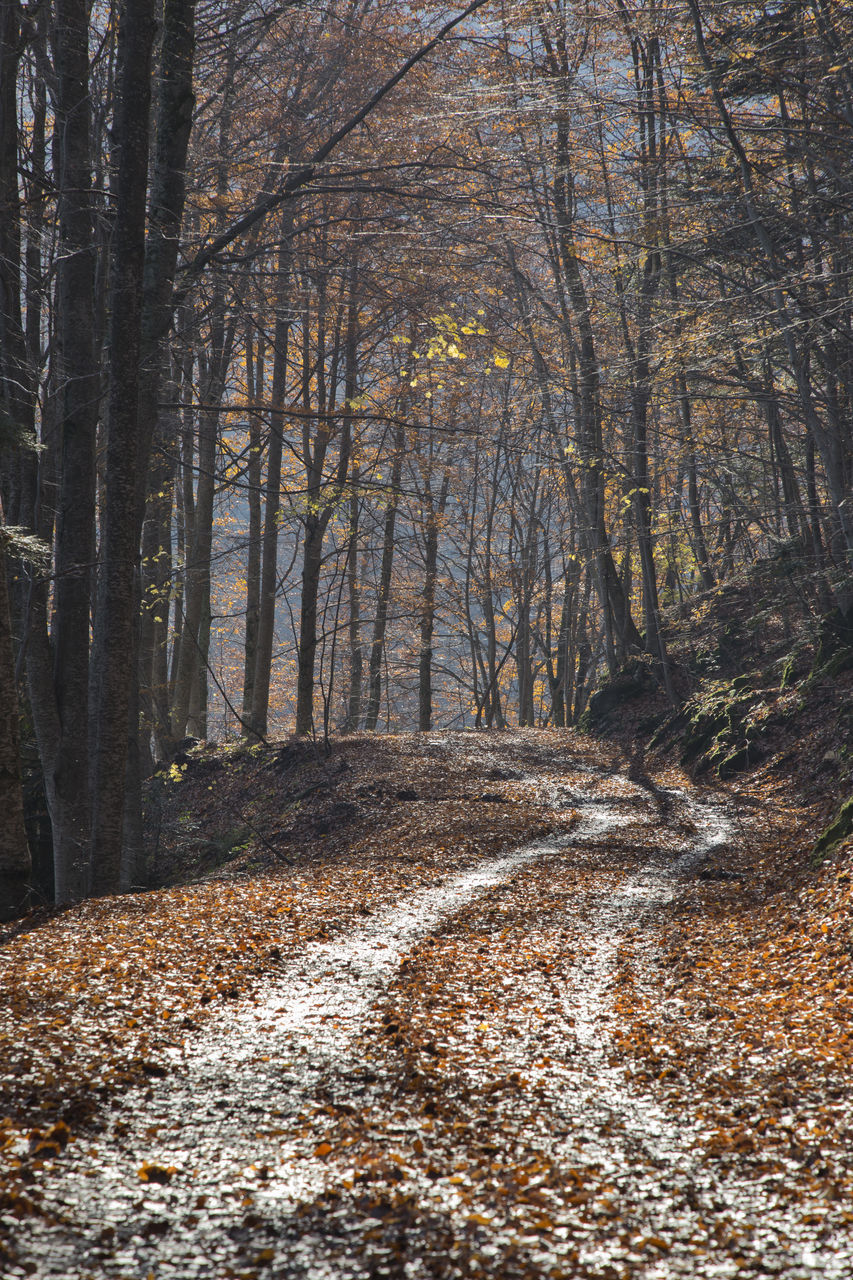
{"x":379,"y":366}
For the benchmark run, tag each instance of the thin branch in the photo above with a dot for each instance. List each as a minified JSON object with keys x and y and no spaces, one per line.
{"x":304,"y":174}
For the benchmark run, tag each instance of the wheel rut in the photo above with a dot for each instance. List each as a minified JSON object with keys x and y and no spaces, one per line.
{"x":435,"y":1093}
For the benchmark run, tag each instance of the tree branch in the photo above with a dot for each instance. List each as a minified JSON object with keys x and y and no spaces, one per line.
{"x":304,"y":174}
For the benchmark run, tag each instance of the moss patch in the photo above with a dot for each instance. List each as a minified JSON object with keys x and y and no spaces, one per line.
{"x":839,"y":829}
{"x":716,"y":735}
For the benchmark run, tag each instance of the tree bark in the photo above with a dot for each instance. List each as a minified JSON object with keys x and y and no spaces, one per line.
{"x":165,"y":211}
{"x":117,"y":603}
{"x":156,"y":578}
{"x":77,"y":395}
{"x":15,"y":864}
{"x":272,"y":490}
{"x":319,"y":507}
{"x":356,"y":658}
{"x":254,"y":391}
{"x":312,"y":559}
{"x":197,"y":577}
{"x":434,"y":513}
{"x":16,"y":379}
{"x":380,"y":622}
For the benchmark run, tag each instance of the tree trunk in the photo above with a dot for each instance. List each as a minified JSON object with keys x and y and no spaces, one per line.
{"x":196,"y":579}
{"x":191,"y":684}
{"x":380,"y":622}
{"x":16,"y":375}
{"x":427,"y":619}
{"x":254,"y":391}
{"x":699,"y":543}
{"x":156,"y":590}
{"x":319,"y":509}
{"x":16,"y":401}
{"x":77,"y":394}
{"x":492,"y":700}
{"x":561,"y":700}
{"x":356,"y":659}
{"x":312,"y":558}
{"x":618,"y":622}
{"x":184,"y":521}
{"x":15,"y":865}
{"x":117,"y":604}
{"x":166,"y":206}
{"x":272,"y":492}
{"x":197,"y":711}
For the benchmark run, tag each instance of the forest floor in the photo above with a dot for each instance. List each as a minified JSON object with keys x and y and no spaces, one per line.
{"x":441,"y":1005}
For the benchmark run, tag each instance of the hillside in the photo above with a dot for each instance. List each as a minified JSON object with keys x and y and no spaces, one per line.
{"x":764,"y":680}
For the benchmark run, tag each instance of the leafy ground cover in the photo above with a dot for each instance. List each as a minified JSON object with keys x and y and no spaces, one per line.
{"x":92,"y":996}
{"x":747,"y":1003}
{"x":590,"y":1067}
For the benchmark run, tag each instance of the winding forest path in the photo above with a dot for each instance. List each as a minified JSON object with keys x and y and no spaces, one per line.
{"x":441,"y":1090}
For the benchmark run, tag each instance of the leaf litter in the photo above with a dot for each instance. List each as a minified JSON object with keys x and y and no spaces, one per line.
{"x":455,"y":1066}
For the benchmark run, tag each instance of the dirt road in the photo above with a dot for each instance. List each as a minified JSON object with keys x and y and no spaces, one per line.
{"x":438,"y":1091}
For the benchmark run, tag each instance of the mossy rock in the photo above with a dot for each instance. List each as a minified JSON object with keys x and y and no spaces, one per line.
{"x":789,"y":671}
{"x":730,"y":642}
{"x":839,"y":829}
{"x":834,"y":646}
{"x":702,"y":733}
{"x":735,"y":762}
{"x":738,"y":760}
{"x":706,"y":663}
{"x":715,"y":735}
{"x":584,"y":724}
{"x":786,"y":555}
{"x":634,"y":680}
{"x":670,"y":728}
{"x":840,"y":661}
{"x":225,"y":845}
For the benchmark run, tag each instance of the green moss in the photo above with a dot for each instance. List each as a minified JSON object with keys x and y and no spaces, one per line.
{"x":715,"y":735}
{"x":841,"y":661}
{"x":735,"y":762}
{"x":839,"y":829}
{"x":788,"y":669}
{"x":834,"y":652}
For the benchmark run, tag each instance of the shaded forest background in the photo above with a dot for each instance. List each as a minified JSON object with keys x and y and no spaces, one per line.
{"x":370,"y":367}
